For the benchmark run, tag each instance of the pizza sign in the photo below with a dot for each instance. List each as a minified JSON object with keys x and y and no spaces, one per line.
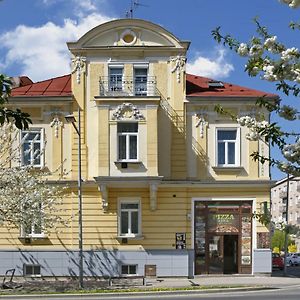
{"x":223,"y":223}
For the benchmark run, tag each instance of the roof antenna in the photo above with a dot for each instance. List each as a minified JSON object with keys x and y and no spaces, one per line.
{"x":134,"y":4}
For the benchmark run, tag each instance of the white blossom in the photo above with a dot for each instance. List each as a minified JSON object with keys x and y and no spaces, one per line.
{"x":291,"y":3}
{"x":243,"y":49}
{"x":269,"y":73}
{"x":289,"y":54}
{"x":270,"y":44}
{"x":254,"y":126}
{"x":256,"y":50}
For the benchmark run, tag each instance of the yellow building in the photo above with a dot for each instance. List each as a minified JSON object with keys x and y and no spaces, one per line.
{"x":168,"y":184}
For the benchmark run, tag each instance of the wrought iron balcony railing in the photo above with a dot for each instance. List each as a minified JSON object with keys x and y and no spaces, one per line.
{"x":139,"y":86}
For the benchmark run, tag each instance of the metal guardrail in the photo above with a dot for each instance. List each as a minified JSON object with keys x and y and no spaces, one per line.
{"x":138,"y":86}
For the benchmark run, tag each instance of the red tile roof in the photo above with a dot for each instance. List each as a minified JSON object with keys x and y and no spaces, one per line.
{"x":197,"y":86}
{"x":55,"y":87}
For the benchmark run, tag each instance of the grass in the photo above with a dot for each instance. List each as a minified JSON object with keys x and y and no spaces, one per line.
{"x":128,"y":290}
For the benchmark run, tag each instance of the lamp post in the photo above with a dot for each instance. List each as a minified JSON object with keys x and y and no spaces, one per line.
{"x":286,"y":237}
{"x":71,"y":119}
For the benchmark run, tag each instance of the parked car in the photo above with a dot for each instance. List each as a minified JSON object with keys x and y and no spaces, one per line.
{"x":277,"y":261}
{"x":293,"y":259}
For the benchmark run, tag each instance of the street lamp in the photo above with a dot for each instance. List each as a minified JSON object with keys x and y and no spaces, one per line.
{"x":71,"y":119}
{"x":286,"y":237}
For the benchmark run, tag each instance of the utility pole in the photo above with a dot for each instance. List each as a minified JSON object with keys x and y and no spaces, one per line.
{"x":286,"y":237}
{"x":71,"y":119}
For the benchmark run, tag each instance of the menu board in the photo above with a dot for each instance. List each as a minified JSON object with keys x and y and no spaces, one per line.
{"x":246,"y":240}
{"x":200,"y":233}
{"x":180,"y":240}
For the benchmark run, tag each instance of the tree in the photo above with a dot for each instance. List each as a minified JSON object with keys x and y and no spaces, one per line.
{"x":19,"y":118}
{"x":27,"y":199}
{"x":278,"y":240}
{"x":272,"y":61}
{"x":292,"y":248}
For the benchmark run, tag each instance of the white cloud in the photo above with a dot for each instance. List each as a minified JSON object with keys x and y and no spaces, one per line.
{"x":88,"y":5}
{"x":41,"y":51}
{"x":215,"y":67}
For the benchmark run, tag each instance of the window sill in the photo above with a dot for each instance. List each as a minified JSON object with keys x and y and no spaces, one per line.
{"x":128,"y":163}
{"x":34,"y":237}
{"x":228,"y":169}
{"x":130,"y":237}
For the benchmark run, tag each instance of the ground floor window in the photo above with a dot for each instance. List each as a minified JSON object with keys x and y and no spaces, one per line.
{"x":129,"y":217}
{"x":222,"y":237}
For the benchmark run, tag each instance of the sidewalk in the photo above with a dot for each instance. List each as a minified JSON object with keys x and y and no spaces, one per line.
{"x":229,"y":280}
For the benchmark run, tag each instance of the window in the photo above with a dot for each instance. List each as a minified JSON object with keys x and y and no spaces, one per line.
{"x":140,"y":81}
{"x":115,"y":79}
{"x":284,"y":200}
{"x":129,"y":269}
{"x":127,"y":141}
{"x":227,"y":147}
{"x":34,"y":228}
{"x":32,"y":270}
{"x":129,"y":218}
{"x":32,"y":147}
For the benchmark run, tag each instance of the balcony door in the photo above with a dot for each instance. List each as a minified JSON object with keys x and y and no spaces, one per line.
{"x":115,"y":79}
{"x":140,"y":81}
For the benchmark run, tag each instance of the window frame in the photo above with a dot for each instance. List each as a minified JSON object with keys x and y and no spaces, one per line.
{"x":127,"y":135}
{"x":237,"y":158}
{"x":129,"y":200}
{"x":32,"y":233}
{"x":128,"y":266}
{"x":42,"y":139}
{"x":111,"y":67}
{"x":140,"y":67}
{"x":32,"y":266}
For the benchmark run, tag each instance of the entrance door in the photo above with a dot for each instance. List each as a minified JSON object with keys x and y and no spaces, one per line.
{"x":223,"y":254}
{"x":230,"y":254}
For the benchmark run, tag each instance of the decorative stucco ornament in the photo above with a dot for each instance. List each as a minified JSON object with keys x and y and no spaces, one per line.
{"x":127,"y":111}
{"x":78,"y":63}
{"x":56,"y":123}
{"x":201,"y":123}
{"x":179,"y":65}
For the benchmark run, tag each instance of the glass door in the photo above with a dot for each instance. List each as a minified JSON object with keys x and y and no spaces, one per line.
{"x":216,"y":254}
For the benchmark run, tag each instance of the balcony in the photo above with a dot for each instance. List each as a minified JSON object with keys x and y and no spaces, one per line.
{"x":138,"y":86}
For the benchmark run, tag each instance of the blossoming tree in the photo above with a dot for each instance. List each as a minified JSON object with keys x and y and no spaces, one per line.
{"x":27,"y":199}
{"x":272,"y":61}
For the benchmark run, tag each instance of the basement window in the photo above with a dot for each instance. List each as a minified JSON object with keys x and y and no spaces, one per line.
{"x":129,"y":269}
{"x":32,"y":270}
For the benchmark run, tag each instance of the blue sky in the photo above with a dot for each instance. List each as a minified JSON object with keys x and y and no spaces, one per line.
{"x":33,"y":33}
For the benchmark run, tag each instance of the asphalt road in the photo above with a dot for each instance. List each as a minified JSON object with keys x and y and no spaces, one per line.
{"x":291,"y":271}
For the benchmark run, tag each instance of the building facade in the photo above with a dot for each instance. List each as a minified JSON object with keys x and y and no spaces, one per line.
{"x":285,"y":198}
{"x":169,"y":186}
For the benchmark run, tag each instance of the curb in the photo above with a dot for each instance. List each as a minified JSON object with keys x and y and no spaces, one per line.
{"x":142,"y":293}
